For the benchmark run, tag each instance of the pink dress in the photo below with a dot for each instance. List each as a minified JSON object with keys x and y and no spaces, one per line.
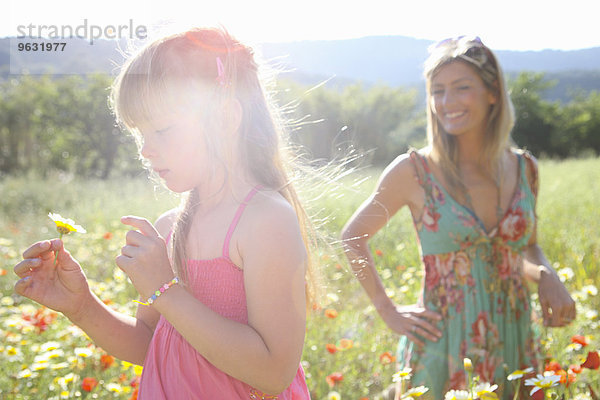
{"x":173,"y":369}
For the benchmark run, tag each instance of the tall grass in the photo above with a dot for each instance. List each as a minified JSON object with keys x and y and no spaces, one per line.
{"x":361,"y":348}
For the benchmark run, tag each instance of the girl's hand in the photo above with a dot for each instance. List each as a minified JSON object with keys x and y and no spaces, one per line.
{"x":62,"y":287}
{"x":414,"y":322}
{"x":558,"y":308}
{"x":144,"y":257}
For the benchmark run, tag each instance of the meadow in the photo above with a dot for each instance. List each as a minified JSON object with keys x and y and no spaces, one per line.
{"x":349,"y":353}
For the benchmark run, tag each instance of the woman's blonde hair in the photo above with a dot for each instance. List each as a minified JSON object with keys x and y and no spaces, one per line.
{"x":497,"y":138}
{"x":200,"y":71}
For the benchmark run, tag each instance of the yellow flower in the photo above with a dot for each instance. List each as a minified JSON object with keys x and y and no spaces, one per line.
{"x":137,"y":369}
{"x":114,"y":387}
{"x":26,"y":373}
{"x":334,"y":396}
{"x":485,"y":391}
{"x":457,"y":395}
{"x":83,"y":352}
{"x":402,"y":374}
{"x":65,"y":225}
{"x":468,"y":364}
{"x":415,"y":392}
{"x":517,"y":374}
{"x":542,"y":382}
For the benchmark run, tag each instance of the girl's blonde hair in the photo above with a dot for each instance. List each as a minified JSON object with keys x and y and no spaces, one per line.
{"x":200,"y":71}
{"x":443,"y":147}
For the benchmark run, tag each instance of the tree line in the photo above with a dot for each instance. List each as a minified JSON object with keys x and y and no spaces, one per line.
{"x":65,"y":124}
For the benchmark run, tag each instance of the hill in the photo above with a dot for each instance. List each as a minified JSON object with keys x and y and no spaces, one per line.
{"x":389,"y":60}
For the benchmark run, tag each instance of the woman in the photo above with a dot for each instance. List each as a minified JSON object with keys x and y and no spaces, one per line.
{"x":472,"y":198}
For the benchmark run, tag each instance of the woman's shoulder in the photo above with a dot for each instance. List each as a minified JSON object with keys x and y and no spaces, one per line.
{"x":406,"y":167}
{"x":531,"y":167}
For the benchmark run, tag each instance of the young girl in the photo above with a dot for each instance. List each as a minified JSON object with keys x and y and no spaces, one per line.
{"x":222,"y":280}
{"x":472,"y":199}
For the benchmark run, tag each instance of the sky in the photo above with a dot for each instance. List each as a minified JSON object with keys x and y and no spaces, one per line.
{"x":502,"y":25}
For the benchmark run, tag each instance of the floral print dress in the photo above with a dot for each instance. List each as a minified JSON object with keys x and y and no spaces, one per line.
{"x":474,"y":279}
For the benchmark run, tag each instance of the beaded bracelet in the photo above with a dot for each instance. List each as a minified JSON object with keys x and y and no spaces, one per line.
{"x":158,"y":292}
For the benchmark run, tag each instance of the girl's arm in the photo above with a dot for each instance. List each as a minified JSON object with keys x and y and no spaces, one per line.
{"x":558,"y":308}
{"x":265,"y":353}
{"x":396,"y":188}
{"x":64,"y":288}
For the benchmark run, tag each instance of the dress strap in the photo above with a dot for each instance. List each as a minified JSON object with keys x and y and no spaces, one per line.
{"x":236,"y":219}
{"x":420,"y":165}
{"x":530,"y":173}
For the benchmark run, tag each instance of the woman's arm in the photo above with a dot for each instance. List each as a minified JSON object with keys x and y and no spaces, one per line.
{"x":558,"y":308}
{"x":396,"y":188}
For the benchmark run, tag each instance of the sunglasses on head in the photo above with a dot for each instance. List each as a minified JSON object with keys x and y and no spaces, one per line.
{"x":470,"y":49}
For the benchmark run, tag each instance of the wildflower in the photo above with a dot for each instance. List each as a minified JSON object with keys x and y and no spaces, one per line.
{"x":576,"y":369}
{"x":592,"y":361}
{"x":386,"y":358}
{"x":345,"y":344}
{"x":49,"y":346}
{"x":415,"y":392}
{"x":60,"y":365}
{"x":3,"y":272}
{"x":65,"y":226}
{"x":518,"y":374}
{"x":83,"y":352}
{"x":379,"y":252}
{"x":137,"y":370}
{"x":106,"y":361}
{"x":108,"y":236}
{"x":566,"y":378}
{"x":26,"y":373}
{"x":552,"y":366}
{"x":457,"y":395}
{"x":468,"y":364}
{"x":89,"y":384}
{"x":331,"y":313}
{"x":403,"y":374}
{"x":542,"y":382}
{"x":334,"y":396}
{"x":485,"y":391}
{"x":114,"y":387}
{"x":334,"y":378}
{"x":331,"y":348}
{"x":580,"y":339}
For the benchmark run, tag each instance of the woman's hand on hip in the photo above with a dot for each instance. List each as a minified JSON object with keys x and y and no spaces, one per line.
{"x":413,"y":321}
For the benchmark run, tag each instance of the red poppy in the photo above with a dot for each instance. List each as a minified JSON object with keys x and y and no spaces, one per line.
{"x":553,"y":366}
{"x":563,"y":377}
{"x":134,"y":394}
{"x":334,"y":378}
{"x":592,"y":361}
{"x":3,"y":272}
{"x":108,"y":235}
{"x":575,"y":369}
{"x":331,"y":313}
{"x":106,"y":361}
{"x":379,"y":252}
{"x":387,"y":358}
{"x":89,"y":384}
{"x":332,"y":348}
{"x":580,"y":339}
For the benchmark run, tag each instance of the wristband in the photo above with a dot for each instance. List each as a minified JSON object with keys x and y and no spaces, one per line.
{"x":158,"y":292}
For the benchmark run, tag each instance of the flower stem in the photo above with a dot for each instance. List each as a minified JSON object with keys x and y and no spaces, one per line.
{"x":56,"y":258}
